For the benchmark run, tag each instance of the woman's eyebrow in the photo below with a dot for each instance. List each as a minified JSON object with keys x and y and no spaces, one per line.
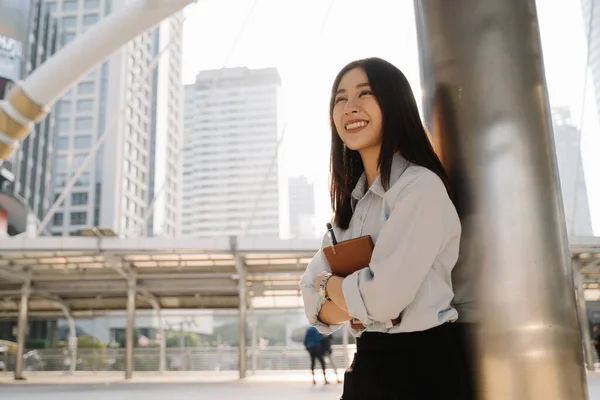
{"x":357,"y":86}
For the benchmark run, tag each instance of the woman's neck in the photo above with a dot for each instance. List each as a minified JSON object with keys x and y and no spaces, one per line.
{"x":370,"y":160}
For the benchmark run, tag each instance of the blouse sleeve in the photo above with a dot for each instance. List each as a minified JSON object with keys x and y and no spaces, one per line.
{"x":312,"y":301}
{"x":422,"y":220}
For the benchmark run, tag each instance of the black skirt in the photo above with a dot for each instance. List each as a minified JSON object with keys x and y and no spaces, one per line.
{"x":425,"y":365}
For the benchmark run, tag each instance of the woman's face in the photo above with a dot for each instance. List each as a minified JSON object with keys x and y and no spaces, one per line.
{"x":356,"y":113}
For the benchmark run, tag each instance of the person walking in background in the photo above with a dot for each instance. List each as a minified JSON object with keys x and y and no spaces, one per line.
{"x":596,"y":331}
{"x":312,"y":343}
{"x":328,"y":352}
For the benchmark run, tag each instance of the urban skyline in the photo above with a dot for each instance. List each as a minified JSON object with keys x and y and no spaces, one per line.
{"x":156,"y":185}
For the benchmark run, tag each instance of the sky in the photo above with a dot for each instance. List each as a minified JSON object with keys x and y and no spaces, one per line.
{"x":310,"y":41}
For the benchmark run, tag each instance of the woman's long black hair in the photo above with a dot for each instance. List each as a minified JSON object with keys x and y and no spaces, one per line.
{"x":403,"y":132}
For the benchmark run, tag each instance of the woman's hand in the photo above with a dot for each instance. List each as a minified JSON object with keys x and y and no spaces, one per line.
{"x":319,"y":279}
{"x":333,"y":289}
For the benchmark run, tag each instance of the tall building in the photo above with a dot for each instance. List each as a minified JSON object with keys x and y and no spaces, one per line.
{"x":230,"y":175}
{"x":572,"y":178}
{"x":132,"y":187}
{"x":26,"y":176}
{"x":591,"y":21}
{"x":302,"y":208}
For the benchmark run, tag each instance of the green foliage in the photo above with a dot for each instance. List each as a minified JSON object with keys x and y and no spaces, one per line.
{"x":33,"y":344}
{"x":83,"y":342}
{"x":273,"y":331}
{"x":191,"y":339}
{"x":86,"y":342}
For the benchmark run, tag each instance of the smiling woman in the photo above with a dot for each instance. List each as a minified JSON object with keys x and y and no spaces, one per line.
{"x":388,"y":183}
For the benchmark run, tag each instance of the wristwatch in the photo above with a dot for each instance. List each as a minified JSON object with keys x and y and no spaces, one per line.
{"x":323,"y":286}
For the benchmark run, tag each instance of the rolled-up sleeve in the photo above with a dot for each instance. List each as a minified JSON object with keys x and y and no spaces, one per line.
{"x":405,"y":252}
{"x":311,"y":296}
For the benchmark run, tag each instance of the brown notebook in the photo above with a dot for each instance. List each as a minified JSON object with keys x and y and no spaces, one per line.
{"x":350,"y":255}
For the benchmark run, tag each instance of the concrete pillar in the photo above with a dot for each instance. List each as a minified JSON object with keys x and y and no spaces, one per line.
{"x":584,"y":322}
{"x":241,"y":268}
{"x":22,"y":329}
{"x":129,"y":334}
{"x":486,"y":105}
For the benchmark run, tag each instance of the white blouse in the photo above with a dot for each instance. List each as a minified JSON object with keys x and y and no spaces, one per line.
{"x":416,"y":231}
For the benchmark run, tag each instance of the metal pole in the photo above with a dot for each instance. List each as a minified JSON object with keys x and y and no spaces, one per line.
{"x":131,"y":292}
{"x":243,"y":317}
{"x":161,"y":331}
{"x":72,"y":341}
{"x":254,"y":337}
{"x":486,"y":106}
{"x":345,"y":342}
{"x":162,"y":363}
{"x":182,"y":346}
{"x":22,"y":328}
{"x":584,"y":321}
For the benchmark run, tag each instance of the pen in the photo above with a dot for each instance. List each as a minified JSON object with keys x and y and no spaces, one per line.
{"x":332,"y":238}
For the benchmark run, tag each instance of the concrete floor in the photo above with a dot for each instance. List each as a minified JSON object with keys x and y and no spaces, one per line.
{"x":183,"y":391}
{"x":289,"y":386}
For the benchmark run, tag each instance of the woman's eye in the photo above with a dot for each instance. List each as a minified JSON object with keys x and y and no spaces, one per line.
{"x":365,"y":92}
{"x":339,"y":99}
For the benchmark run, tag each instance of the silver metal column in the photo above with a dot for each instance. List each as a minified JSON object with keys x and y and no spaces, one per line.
{"x":22,"y":328}
{"x":162,"y":363}
{"x":182,"y":349}
{"x":254,"y":337}
{"x":241,"y":268}
{"x":486,"y":105}
{"x":72,"y":343}
{"x":129,"y":334}
{"x":584,"y":322}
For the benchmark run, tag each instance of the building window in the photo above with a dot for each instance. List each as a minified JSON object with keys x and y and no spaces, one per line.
{"x":70,"y":5}
{"x":86,"y":88}
{"x":66,"y":38}
{"x":85,"y":106}
{"x":63,"y":125}
{"x":83,"y":180}
{"x":84,"y":124}
{"x":78,"y":218}
{"x":59,"y":180}
{"x":64,"y":107}
{"x":58,"y":219}
{"x":61,"y":164}
{"x":83,"y":142}
{"x":69,"y":22}
{"x":90,"y":19}
{"x":50,"y":7}
{"x":78,"y":160}
{"x":61,"y":143}
{"x":91,"y":4}
{"x":79,"y":199}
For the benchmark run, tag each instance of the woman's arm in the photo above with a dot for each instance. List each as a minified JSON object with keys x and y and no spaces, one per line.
{"x":325,"y":317}
{"x":422,"y":222}
{"x":331,"y":314}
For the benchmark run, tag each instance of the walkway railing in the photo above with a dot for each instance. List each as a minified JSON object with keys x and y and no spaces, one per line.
{"x":188,"y":359}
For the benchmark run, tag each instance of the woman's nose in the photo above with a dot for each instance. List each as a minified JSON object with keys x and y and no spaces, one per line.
{"x":351,"y":107}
